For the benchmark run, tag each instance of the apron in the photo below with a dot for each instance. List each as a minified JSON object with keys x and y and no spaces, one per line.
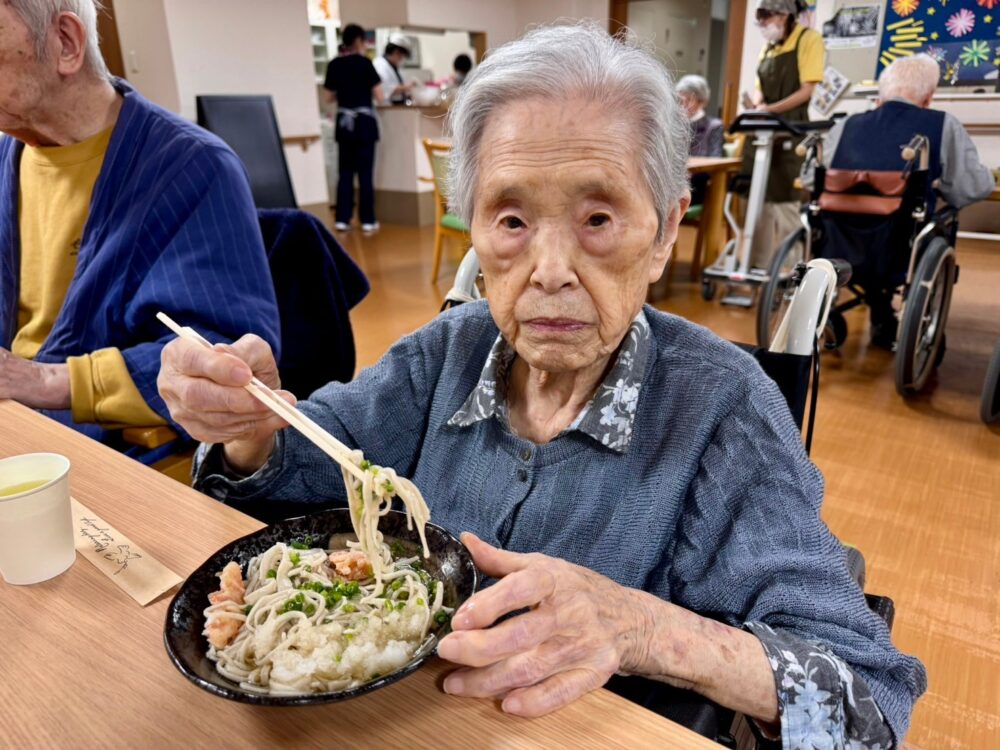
{"x":779,"y":78}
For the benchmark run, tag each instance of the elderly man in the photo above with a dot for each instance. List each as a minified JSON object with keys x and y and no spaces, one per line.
{"x":636,"y":484}
{"x":111,"y":209}
{"x":873,"y":140}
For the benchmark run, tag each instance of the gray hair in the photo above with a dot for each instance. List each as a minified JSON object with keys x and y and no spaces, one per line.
{"x":912,"y":78}
{"x":560,"y":62}
{"x":695,"y":86}
{"x":39,"y":14}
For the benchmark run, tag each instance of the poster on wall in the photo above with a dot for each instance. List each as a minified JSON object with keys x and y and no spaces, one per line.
{"x":852,"y":27}
{"x":962,"y":35}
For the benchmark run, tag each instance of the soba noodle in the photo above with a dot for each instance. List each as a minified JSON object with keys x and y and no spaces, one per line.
{"x":307,"y":621}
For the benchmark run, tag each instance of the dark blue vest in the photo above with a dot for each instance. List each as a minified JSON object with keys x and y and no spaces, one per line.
{"x":874,"y":140}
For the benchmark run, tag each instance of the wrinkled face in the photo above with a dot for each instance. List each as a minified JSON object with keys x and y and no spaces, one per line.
{"x":23,"y":79}
{"x":565,"y":229}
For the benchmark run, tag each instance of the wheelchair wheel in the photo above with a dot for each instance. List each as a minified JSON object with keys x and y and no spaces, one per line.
{"x":777,"y":293}
{"x":925,"y":314}
{"x":989,"y":407}
{"x":835,"y":332}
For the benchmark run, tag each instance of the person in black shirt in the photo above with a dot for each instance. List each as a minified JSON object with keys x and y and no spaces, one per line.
{"x":351,"y":82}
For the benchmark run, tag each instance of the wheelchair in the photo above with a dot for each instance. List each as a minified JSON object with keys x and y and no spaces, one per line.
{"x":989,"y":405}
{"x":882,"y":224}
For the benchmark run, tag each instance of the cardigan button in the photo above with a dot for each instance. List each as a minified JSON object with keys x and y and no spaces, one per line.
{"x":526,"y":454}
{"x":522,"y":475}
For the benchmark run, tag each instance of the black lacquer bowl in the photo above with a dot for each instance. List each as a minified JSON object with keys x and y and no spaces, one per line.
{"x":449,"y":563}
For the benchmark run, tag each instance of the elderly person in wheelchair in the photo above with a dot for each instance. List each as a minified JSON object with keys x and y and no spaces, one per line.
{"x":872,"y":142}
{"x":634,"y":484}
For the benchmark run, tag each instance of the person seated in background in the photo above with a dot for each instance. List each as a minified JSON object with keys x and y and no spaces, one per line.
{"x":387,"y":66}
{"x":874,"y":139}
{"x":706,"y":132}
{"x":111,"y":209}
{"x":636,"y":483}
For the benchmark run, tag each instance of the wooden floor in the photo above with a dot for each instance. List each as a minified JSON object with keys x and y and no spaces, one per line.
{"x":914,"y":484}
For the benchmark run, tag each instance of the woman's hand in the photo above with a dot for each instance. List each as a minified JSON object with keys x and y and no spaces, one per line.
{"x":580,"y":629}
{"x":204,"y":391}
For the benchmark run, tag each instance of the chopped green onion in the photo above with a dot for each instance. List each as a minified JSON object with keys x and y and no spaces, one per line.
{"x":440,"y":617}
{"x":295,"y":558}
{"x":366,"y":465}
{"x":420,"y":601}
{"x":272,"y":573}
{"x":349,"y":608}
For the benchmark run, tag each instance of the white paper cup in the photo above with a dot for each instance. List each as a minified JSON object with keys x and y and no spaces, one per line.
{"x":36,"y":525}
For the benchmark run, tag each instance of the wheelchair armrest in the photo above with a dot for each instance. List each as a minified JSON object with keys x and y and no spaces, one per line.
{"x":946,"y":215}
{"x":149,"y":437}
{"x":883,"y":606}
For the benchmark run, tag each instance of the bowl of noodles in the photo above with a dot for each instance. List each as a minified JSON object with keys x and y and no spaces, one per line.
{"x":297,"y":614}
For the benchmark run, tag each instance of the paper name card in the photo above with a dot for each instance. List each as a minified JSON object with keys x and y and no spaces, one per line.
{"x":133,"y":569}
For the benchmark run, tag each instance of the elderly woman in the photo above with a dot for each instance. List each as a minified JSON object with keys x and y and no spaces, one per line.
{"x":706,"y":132}
{"x":635,"y":484}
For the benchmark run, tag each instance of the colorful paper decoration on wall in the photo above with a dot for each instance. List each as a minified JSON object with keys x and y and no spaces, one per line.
{"x":962,"y":35}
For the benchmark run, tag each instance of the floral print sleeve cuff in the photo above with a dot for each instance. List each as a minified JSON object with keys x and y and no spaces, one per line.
{"x":823,"y":703}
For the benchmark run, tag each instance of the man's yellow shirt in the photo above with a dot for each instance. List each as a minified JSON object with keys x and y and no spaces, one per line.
{"x":55,"y":189}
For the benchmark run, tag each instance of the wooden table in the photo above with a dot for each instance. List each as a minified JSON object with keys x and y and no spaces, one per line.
{"x":709,"y":240}
{"x":83,"y":665}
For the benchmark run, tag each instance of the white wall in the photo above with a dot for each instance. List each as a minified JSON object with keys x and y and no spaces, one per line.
{"x":149,"y":60}
{"x":253,"y":47}
{"x":184,"y":48}
{"x":680,"y":30}
{"x":501,"y":20}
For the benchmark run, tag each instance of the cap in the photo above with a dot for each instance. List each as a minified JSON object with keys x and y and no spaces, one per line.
{"x":400,"y":40}
{"x":778,"y":6}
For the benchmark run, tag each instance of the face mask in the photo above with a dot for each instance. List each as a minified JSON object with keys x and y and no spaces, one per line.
{"x":772,"y":32}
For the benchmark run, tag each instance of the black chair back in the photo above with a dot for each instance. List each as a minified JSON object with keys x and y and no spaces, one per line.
{"x":249,"y":126}
{"x":791,"y":373}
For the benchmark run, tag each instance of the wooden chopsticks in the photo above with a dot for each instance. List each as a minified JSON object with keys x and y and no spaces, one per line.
{"x":319,"y":437}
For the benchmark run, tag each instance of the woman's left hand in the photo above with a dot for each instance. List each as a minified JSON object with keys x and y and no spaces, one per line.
{"x":580,"y":629}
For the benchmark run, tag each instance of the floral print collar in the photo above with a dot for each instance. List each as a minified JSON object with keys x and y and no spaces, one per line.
{"x":608,"y":417}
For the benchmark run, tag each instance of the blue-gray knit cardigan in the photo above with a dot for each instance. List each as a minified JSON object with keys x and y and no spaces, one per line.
{"x":713,"y":506}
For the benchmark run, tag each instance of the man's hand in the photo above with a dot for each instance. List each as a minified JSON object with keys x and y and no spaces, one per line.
{"x":35,"y":384}
{"x":204,"y":391}
{"x":580,"y":629}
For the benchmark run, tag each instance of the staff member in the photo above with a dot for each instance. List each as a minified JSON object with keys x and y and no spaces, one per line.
{"x":351,"y":82}
{"x":791,"y":64}
{"x":387,"y":67}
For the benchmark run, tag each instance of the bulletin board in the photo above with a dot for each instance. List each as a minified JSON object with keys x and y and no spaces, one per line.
{"x":962,"y":35}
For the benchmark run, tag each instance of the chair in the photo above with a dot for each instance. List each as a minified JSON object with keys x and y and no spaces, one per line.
{"x":445,"y":224}
{"x":248,"y":125}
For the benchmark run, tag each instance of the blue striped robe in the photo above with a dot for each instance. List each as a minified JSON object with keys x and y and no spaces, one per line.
{"x":172,"y":227}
